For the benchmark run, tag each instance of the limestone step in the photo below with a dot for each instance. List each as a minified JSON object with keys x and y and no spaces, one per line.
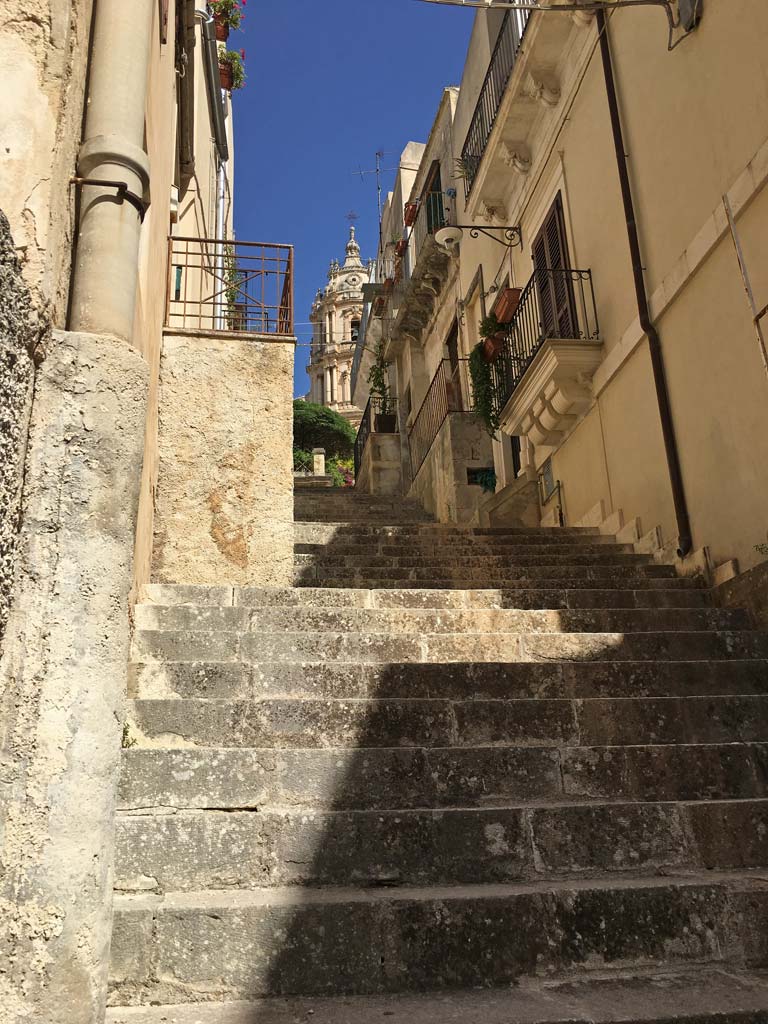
{"x":362,"y":724}
{"x":325,"y":532}
{"x":251,"y":648}
{"x":524,"y":556}
{"x":635,"y":593}
{"x":410,"y":777}
{"x":450,"y":620}
{"x":711,"y":995}
{"x":460,"y":545}
{"x":490,"y":681}
{"x":472,"y":578}
{"x":244,"y":944}
{"x":196,"y":850}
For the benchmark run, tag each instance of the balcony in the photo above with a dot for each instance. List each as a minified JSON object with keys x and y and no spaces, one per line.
{"x":492,"y":92}
{"x":419,"y":275}
{"x":549,"y":353}
{"x":225,"y":286}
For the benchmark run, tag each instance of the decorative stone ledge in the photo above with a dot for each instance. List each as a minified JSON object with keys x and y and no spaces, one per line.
{"x":554,"y":393}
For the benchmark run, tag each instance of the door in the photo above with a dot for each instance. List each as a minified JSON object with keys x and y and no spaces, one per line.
{"x":553,"y":280}
{"x":433,"y":197}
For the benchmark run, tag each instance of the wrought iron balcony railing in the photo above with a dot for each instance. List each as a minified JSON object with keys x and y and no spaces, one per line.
{"x":555,"y":304}
{"x":499,"y":70}
{"x":450,"y":391}
{"x":380,"y":417}
{"x":221,"y":285}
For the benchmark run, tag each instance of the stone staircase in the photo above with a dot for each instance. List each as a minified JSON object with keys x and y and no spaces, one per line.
{"x":453,"y":775}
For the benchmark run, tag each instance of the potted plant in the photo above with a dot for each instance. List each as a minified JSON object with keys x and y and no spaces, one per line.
{"x":385,"y":417}
{"x":227,"y":15}
{"x":493,"y":336}
{"x":409,"y":214}
{"x":232,"y":69}
{"x":482,"y":389}
{"x":506,"y":305}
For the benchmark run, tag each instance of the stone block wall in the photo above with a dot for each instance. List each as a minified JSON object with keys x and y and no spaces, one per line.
{"x":225,"y":496}
{"x":441,"y":483}
{"x":380,"y":468}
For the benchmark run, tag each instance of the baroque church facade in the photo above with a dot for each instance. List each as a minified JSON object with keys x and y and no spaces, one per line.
{"x":336,"y":316}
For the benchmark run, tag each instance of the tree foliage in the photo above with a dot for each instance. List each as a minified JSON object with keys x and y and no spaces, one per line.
{"x":316,"y":426}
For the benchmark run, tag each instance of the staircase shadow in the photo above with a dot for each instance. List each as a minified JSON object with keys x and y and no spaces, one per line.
{"x":393,"y":821}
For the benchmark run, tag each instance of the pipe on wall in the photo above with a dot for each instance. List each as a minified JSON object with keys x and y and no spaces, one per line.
{"x":106,"y":266}
{"x":685,"y":541}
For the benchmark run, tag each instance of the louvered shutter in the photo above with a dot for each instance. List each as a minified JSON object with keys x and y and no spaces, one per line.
{"x":550,"y":253}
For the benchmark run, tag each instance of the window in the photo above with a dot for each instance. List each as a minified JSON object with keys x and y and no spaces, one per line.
{"x":551,"y":263}
{"x":355,"y":329}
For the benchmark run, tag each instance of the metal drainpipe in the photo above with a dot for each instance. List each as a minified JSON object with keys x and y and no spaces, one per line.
{"x":684,"y":540}
{"x":105,"y":272}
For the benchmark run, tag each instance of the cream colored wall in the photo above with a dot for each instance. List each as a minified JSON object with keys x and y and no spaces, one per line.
{"x":43,"y":64}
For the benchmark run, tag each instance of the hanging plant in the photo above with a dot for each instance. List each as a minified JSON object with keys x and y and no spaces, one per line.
{"x":227,"y":13}
{"x":482,"y":389}
{"x":232,"y":69}
{"x":492,"y":331}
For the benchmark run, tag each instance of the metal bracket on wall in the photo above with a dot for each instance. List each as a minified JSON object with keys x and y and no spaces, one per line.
{"x":123,"y":194}
{"x":513,"y":236}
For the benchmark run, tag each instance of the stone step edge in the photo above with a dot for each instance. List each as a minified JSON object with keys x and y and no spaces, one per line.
{"x":243,"y":899}
{"x":695,"y":994}
{"x":291,"y":811}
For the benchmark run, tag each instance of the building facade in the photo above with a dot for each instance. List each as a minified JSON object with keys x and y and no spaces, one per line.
{"x":336,"y":317}
{"x":618,"y":402}
{"x":132,"y":313}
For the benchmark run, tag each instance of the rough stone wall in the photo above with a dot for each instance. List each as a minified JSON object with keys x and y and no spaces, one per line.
{"x":63,"y":679}
{"x":17,"y":336}
{"x":225,"y":495}
{"x":441,"y":483}
{"x":748,"y":590}
{"x":43,"y":66}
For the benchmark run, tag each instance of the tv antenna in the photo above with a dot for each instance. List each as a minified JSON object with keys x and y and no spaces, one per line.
{"x":378,"y":171}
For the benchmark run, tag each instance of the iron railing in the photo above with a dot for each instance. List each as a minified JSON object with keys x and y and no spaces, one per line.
{"x":499,"y":70}
{"x":430,"y":218}
{"x":221,"y":285}
{"x":380,"y":417}
{"x":554,"y":304}
{"x":450,"y":391}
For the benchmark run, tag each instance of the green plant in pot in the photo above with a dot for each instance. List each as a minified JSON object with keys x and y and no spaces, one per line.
{"x":492,"y":333}
{"x":482,"y":389}
{"x":232,"y":69}
{"x":385,"y":417}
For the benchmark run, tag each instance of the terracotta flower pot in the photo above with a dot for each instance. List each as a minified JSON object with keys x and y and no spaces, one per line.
{"x":506,"y":305}
{"x":226,"y":76}
{"x":409,"y":214}
{"x":401,"y":247}
{"x":492,"y":347}
{"x":221,"y":28}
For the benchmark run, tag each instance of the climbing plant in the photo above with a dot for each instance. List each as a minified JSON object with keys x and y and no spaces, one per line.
{"x":482,"y":389}
{"x":378,"y":381}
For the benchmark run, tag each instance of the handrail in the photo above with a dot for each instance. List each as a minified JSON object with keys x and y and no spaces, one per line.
{"x":224,"y":285}
{"x":449,"y":391}
{"x":500,"y":68}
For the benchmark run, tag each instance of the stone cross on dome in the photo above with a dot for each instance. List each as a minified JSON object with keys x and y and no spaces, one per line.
{"x":353,"y":250}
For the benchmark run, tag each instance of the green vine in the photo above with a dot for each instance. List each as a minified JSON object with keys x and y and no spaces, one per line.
{"x":378,"y":380}
{"x":489,"y":326}
{"x":482,"y":389}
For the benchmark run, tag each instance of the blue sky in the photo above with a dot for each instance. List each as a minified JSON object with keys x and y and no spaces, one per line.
{"x":329,"y":84}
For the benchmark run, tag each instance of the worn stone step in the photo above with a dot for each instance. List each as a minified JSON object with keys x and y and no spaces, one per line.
{"x":467,"y":578}
{"x":711,"y":995}
{"x":249,"y":943}
{"x":361,"y":724}
{"x":190,"y":850}
{"x":251,"y":648}
{"x":323,"y":533}
{"x":637,"y":593}
{"x":423,"y":546}
{"x":409,"y":777}
{"x":493,"y":580}
{"x":456,"y":561}
{"x":322,"y":680}
{"x":451,"y":620}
